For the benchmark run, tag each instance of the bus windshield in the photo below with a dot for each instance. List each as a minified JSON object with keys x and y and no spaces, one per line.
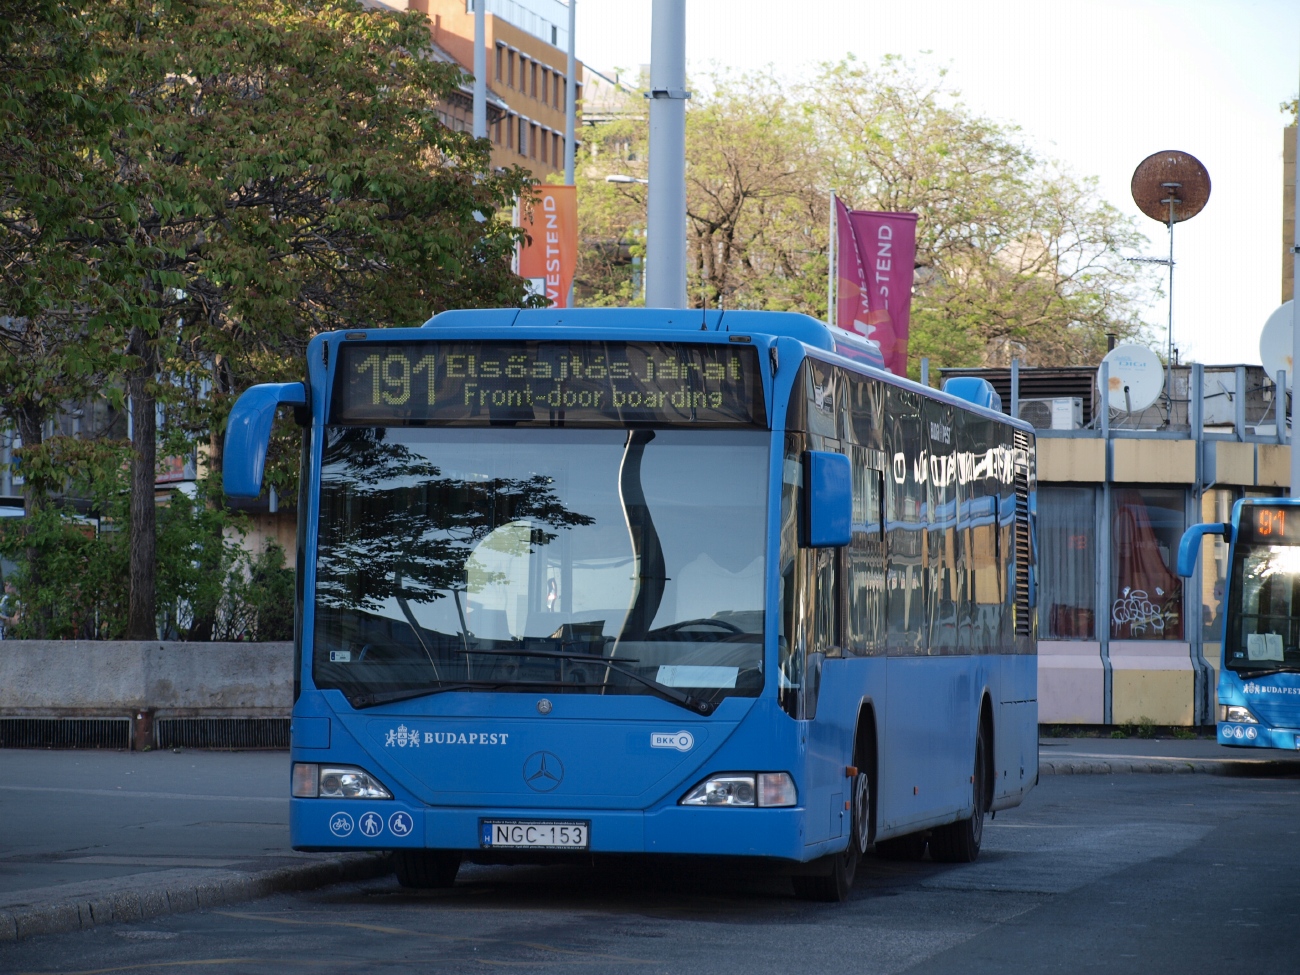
{"x":556,"y":559}
{"x":1263,"y":626}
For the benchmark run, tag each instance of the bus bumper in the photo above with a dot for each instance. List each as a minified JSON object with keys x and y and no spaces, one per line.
{"x":1238,"y":735}
{"x":351,"y":825}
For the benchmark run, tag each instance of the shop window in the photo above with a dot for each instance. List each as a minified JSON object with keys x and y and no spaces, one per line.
{"x":1068,"y":558}
{"x":1146,"y":600}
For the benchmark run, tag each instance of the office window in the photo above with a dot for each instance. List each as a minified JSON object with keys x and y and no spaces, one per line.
{"x":510,"y":131}
{"x":532,"y":141}
{"x":501,"y":57}
{"x":557,"y":148}
{"x":523,"y":137}
{"x":1146,"y":595}
{"x":1067,"y":567}
{"x":534,"y":90}
{"x":559,"y":91}
{"x":546,"y":75}
{"x":510,"y":64}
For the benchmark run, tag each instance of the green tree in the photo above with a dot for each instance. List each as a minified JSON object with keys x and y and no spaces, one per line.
{"x":1015,"y":256}
{"x":274,"y":168}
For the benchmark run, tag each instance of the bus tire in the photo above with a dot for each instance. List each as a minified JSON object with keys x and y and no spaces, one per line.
{"x":835,"y":873}
{"x":959,"y":842}
{"x":426,"y":869}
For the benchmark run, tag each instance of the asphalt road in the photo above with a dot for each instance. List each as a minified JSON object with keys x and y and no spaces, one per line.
{"x":1098,"y":873}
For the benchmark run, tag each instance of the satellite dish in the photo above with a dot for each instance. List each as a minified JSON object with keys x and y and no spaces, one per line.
{"x":1275,"y":343}
{"x":1171,"y":176}
{"x":1135,"y":376}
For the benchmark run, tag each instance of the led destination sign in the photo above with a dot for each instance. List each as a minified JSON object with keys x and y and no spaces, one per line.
{"x":548,"y":383}
{"x":1269,"y":525}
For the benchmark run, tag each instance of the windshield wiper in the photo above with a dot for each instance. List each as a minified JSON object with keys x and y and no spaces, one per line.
{"x":376,"y":698}
{"x":1253,"y":674}
{"x":680,"y":698}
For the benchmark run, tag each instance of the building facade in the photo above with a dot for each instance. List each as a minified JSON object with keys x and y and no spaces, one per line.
{"x":527,"y":63}
{"x":1122,"y":639}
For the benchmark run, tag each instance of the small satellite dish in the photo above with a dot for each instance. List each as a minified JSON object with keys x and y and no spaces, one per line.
{"x":1136,"y":378}
{"x":1275,"y":343}
{"x":1168,"y":176}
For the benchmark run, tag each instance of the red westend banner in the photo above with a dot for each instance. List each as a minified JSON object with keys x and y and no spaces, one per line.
{"x":876,"y":254}
{"x":549,"y":257}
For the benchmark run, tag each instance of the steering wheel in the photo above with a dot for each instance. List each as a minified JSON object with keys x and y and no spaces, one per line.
{"x":720,"y":624}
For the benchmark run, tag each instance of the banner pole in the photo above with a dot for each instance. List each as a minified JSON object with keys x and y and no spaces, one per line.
{"x":830,"y":269}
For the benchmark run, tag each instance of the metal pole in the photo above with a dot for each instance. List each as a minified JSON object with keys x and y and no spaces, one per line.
{"x":1295,"y":325}
{"x":666,"y":209}
{"x":830,"y":270}
{"x":570,"y":98}
{"x":1169,"y":353}
{"x":480,"y":69}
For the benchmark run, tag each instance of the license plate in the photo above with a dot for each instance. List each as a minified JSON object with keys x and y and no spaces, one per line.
{"x":550,"y":834}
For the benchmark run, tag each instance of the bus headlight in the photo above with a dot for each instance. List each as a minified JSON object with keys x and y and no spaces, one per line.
{"x":1232,"y":712}
{"x":312,"y":781}
{"x":743,"y":789}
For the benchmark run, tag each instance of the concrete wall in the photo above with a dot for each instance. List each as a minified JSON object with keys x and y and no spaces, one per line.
{"x":1071,"y":682}
{"x":1152,"y":680}
{"x":69,"y":677}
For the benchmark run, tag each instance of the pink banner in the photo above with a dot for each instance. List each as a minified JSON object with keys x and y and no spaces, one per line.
{"x":876,"y":257}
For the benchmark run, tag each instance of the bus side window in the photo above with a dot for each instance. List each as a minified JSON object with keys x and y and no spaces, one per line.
{"x":790,"y":642}
{"x":865,"y":570}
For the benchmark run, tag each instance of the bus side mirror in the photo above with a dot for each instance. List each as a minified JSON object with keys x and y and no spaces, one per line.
{"x":248,"y":435}
{"x":1190,"y":547}
{"x":828,"y":493}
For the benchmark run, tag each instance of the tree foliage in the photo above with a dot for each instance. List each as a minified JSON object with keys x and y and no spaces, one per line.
{"x":193,"y":188}
{"x":1015,"y":255}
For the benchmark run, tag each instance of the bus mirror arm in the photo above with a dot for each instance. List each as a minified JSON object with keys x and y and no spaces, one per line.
{"x":248,"y":435}
{"x":1190,"y":546}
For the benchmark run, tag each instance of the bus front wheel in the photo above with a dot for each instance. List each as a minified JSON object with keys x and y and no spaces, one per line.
{"x":426,"y":869}
{"x":835,"y":873}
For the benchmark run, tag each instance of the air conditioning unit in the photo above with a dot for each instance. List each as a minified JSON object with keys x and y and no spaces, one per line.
{"x":1055,"y":413}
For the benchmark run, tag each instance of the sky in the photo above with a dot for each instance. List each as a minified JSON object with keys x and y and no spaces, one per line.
{"x":1098,"y":84}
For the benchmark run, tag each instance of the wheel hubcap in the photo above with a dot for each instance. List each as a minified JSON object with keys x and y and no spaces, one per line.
{"x":861,"y":811}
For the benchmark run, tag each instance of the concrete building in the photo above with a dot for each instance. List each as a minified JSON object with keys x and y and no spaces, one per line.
{"x":1122,"y":639}
{"x":527,"y":61}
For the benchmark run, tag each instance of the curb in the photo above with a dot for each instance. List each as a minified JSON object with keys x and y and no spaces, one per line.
{"x":1241,"y":768}
{"x":141,"y":902}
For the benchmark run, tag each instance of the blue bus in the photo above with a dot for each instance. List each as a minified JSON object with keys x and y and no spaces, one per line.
{"x":583,"y":582}
{"x":1259,"y":670}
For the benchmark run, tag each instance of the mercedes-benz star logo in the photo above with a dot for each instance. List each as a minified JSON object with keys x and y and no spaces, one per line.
{"x":543,"y":771}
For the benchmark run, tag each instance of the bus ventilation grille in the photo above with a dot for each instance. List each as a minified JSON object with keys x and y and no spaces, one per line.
{"x":1024,"y":623}
{"x":65,"y":733}
{"x":230,"y":734}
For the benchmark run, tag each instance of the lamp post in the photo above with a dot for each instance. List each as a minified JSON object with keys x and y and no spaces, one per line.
{"x":666,"y":208}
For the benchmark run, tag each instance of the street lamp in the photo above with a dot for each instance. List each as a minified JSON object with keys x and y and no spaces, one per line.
{"x":621,"y":178}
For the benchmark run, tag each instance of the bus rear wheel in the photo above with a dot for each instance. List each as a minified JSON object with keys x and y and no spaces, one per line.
{"x":959,"y":842}
{"x":426,"y":869}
